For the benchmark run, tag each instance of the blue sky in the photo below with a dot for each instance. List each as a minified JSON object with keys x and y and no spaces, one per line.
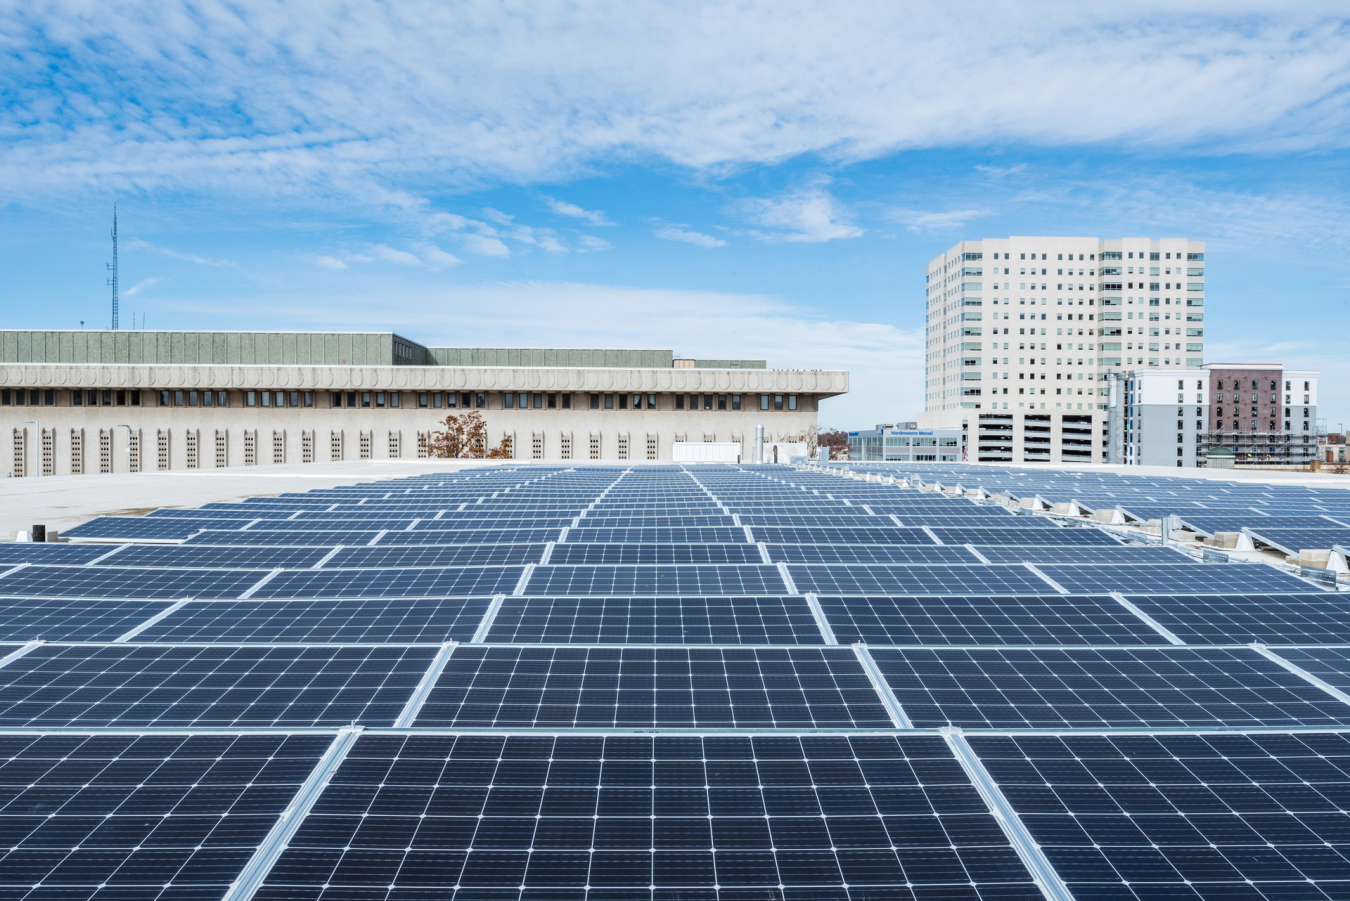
{"x":744,"y":180}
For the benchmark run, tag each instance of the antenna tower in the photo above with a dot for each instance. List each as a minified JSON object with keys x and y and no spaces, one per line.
{"x":112,"y":267}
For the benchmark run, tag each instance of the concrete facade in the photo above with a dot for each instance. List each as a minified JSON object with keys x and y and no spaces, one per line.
{"x":76,"y":419}
{"x":1035,"y":323}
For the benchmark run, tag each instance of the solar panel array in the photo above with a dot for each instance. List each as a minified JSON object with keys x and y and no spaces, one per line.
{"x":709,"y":682}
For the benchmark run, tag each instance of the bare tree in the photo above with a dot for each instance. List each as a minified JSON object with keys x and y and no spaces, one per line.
{"x":465,"y":436}
{"x":836,"y":440}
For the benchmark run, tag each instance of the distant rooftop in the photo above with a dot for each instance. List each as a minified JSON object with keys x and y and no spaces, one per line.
{"x":316,"y":349}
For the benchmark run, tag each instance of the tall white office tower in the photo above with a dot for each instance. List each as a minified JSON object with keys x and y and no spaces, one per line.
{"x":1027,"y":324}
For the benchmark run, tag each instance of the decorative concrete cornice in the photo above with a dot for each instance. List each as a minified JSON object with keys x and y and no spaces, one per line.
{"x":423,"y":378}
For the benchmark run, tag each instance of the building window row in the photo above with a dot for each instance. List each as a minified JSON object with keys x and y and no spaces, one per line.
{"x":394,"y":399}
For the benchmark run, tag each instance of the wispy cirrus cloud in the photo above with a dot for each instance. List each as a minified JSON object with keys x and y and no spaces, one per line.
{"x":380,"y":104}
{"x":563,"y":208}
{"x":918,"y":221}
{"x":142,"y":285}
{"x":681,"y":233}
{"x":138,"y":244}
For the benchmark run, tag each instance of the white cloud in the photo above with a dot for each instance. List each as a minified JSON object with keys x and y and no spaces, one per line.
{"x":362,"y":101}
{"x":563,"y":208}
{"x":327,"y":262}
{"x":676,"y":233}
{"x":496,"y":216}
{"x":918,"y":221}
{"x":485,"y":246}
{"x":808,"y":215}
{"x":138,"y":244}
{"x":390,"y":255}
{"x":592,"y":243}
{"x":139,"y":287}
{"x":437,"y":259}
{"x":542,"y":238}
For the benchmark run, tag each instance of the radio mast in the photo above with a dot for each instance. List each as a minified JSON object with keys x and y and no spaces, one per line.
{"x":113,"y":268}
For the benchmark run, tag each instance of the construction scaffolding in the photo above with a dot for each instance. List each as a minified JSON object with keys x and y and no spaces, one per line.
{"x":1251,"y":446}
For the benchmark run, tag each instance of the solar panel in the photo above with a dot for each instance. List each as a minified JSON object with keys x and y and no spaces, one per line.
{"x":652,"y":817}
{"x":378,"y":620}
{"x":917,"y":579}
{"x":38,"y":552}
{"x":97,"y":582}
{"x":389,"y":583}
{"x":560,"y":687}
{"x":1312,"y":618}
{"x":631,"y":580}
{"x":1199,"y":816}
{"x":1046,"y":619}
{"x":220,"y":685}
{"x":646,"y":620}
{"x":414,"y":557}
{"x":1196,"y":578}
{"x":1020,"y":534}
{"x":142,"y":528}
{"x":573,"y":554}
{"x":1079,"y":554}
{"x":839,"y":553}
{"x":603,"y":682}
{"x":828,"y":533}
{"x":1008,"y":688}
{"x":149,"y":816}
{"x":185,"y":556}
{"x":65,"y":619}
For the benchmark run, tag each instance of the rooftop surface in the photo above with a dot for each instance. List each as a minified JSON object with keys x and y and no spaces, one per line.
{"x":204,"y":348}
{"x":604,"y":682}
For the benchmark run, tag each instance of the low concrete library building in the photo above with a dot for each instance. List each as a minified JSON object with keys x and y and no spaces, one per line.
{"x":77,"y":402}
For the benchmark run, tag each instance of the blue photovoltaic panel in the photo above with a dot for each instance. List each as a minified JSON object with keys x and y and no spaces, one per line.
{"x":574,"y":554}
{"x":631,"y":580}
{"x":1318,"y":617}
{"x":260,"y":537}
{"x":144,"y":528}
{"x":150,"y":816}
{"x":840,"y":553}
{"x":1331,"y":665}
{"x":1093,"y":688}
{"x":833,"y":533}
{"x":377,"y":620}
{"x":185,"y":556}
{"x":1292,"y":541}
{"x":383,"y":556}
{"x":587,"y":534}
{"x":390,"y":583}
{"x":221,"y":686}
{"x":66,"y":554}
{"x":567,"y":687}
{"x":1020,"y":534}
{"x":1183,"y":816}
{"x":68,"y":619}
{"x":1172,"y":578}
{"x":1046,"y":619}
{"x":687,"y":817}
{"x":661,"y":620}
{"x":1078,"y":554}
{"x":917,"y":579}
{"x":774,"y":770}
{"x":122,"y":582}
